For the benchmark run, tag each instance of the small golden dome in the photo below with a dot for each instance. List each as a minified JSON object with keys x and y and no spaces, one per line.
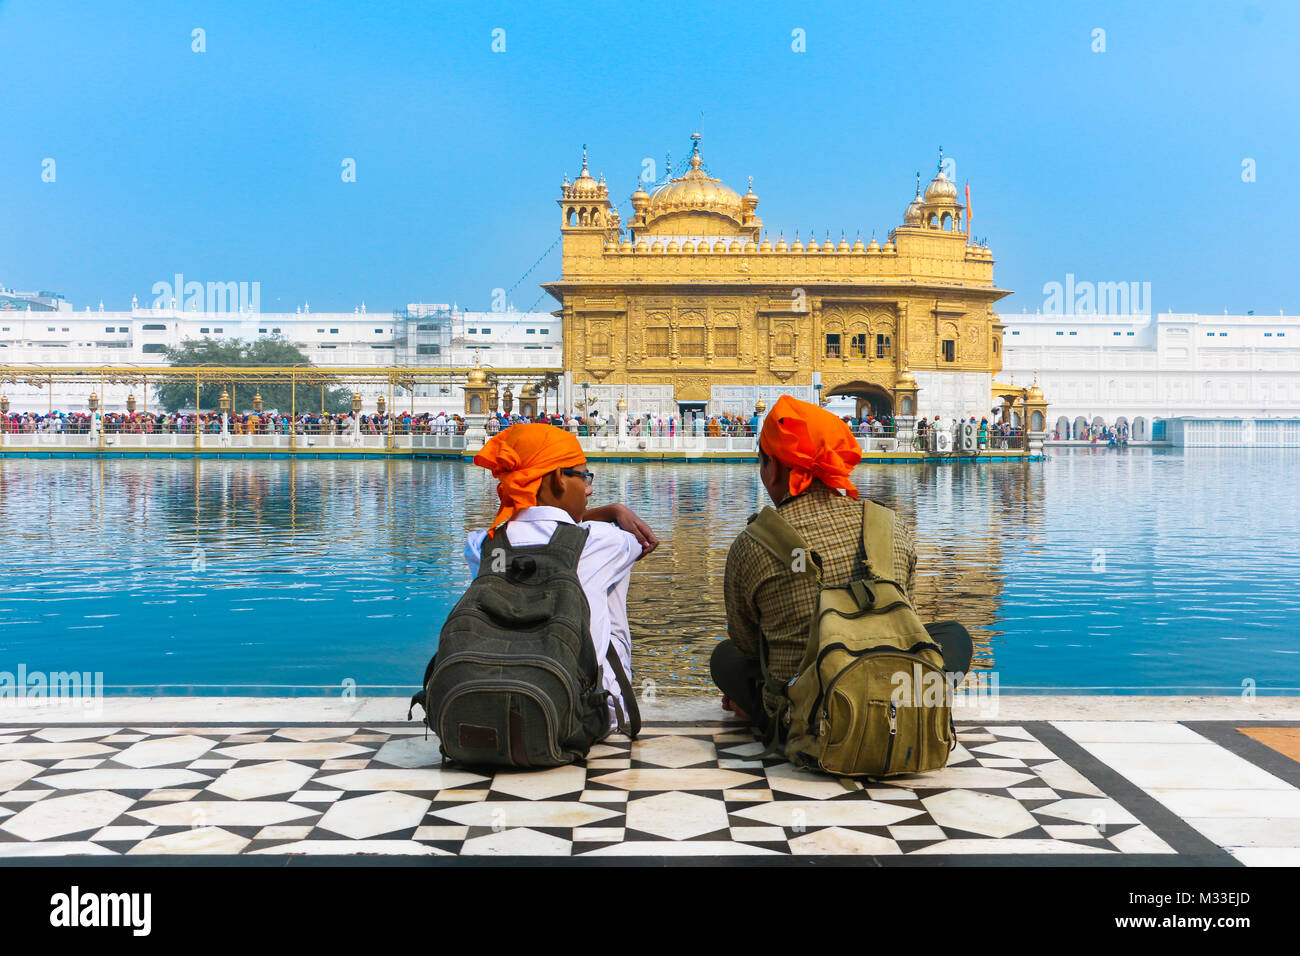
{"x":749,"y":199}
{"x":476,"y":375}
{"x":915,"y":215}
{"x":622,"y":404}
{"x":780,"y":244}
{"x":702,"y":246}
{"x":751,"y":246}
{"x":657,"y":247}
{"x":642,"y":246}
{"x":858,"y":246}
{"x":828,"y":246}
{"x":888,"y":247}
{"x":765,"y":245}
{"x":873,"y":246}
{"x":625,"y":245}
{"x":672,"y":246}
{"x":812,"y":246}
{"x":611,"y":245}
{"x":941,"y":188}
{"x":798,"y":246}
{"x":585,"y":186}
{"x":904,"y":378}
{"x":844,"y":244}
{"x":640,"y":198}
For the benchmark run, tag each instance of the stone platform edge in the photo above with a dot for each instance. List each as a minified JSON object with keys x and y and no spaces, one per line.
{"x":677,"y":709}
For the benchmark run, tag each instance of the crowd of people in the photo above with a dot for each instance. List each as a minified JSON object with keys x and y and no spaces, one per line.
{"x":997,"y":435}
{"x":991,"y":434}
{"x":1111,"y":434}
{"x":266,"y":423}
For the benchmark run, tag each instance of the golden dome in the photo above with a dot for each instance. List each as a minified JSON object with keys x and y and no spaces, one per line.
{"x":873,"y":246}
{"x":751,"y":246}
{"x":476,"y":375}
{"x":697,"y":191}
{"x":844,"y":244}
{"x":749,"y":199}
{"x":642,"y":246}
{"x":640,"y":198}
{"x":625,"y":246}
{"x":904,"y":378}
{"x":914,"y":215}
{"x":828,"y":246}
{"x":888,"y":247}
{"x":781,"y":246}
{"x":798,"y":246}
{"x":657,"y":247}
{"x":941,"y":189}
{"x":858,"y":246}
{"x":765,"y":245}
{"x":585,"y":186}
{"x":672,"y":246}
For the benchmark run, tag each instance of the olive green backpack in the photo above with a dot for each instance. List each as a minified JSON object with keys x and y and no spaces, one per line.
{"x":871,"y":698}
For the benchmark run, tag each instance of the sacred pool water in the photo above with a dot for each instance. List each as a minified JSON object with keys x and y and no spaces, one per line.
{"x":1133,"y":571}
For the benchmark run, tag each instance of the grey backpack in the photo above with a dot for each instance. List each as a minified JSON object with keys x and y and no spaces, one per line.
{"x":515,"y":681}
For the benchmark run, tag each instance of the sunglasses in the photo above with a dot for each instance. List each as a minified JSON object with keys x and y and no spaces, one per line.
{"x":586,"y":476}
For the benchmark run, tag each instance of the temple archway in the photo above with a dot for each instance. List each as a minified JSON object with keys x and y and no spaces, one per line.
{"x":870,"y":399}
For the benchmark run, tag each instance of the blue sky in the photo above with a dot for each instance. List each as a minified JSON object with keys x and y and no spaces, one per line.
{"x":1123,"y":165}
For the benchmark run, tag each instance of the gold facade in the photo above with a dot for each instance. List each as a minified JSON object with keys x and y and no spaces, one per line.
{"x":692,"y":293}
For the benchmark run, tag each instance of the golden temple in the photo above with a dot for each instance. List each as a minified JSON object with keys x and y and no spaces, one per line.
{"x":691,"y":306}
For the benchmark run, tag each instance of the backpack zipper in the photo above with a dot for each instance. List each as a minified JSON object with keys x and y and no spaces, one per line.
{"x":893,"y":735}
{"x":541,"y":662}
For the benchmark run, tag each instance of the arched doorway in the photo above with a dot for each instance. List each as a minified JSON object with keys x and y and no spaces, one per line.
{"x":1062,"y":428}
{"x":870,"y":399}
{"x":1139,"y":432}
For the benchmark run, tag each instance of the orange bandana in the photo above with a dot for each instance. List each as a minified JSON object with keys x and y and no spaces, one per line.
{"x":812,"y":442}
{"x":520,"y":457}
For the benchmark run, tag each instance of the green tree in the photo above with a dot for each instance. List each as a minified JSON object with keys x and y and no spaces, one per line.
{"x":268,"y":350}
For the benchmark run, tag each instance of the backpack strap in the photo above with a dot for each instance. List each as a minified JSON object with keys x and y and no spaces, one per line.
{"x":780,"y":539}
{"x":631,"y":725}
{"x":878,"y":539}
{"x":568,"y":540}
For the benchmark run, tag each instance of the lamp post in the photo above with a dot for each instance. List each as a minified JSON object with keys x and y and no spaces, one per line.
{"x":93,"y":403}
{"x":224,"y":403}
{"x":356,"y":418}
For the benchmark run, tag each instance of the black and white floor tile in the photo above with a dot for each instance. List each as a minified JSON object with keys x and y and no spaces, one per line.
{"x":694,"y":791}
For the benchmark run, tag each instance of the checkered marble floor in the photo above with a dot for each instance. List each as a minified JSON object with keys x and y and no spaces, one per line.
{"x":679,"y":790}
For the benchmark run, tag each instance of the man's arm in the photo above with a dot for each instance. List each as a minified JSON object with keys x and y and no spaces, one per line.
{"x":742,"y":619}
{"x":627,"y":519}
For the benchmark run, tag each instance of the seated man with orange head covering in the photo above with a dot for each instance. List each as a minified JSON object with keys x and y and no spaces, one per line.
{"x":806,"y":456}
{"x":543,"y":482}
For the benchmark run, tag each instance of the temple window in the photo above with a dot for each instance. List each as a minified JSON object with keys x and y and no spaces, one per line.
{"x":656,"y":342}
{"x":858,"y":346}
{"x":693,"y":342}
{"x":833,"y":345}
{"x":600,"y":344}
{"x":884,"y":346}
{"x":949,"y":350}
{"x":726,"y":342}
{"x":784,"y":344}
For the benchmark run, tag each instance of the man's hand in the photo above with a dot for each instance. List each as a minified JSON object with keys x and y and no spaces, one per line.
{"x":627,"y":519}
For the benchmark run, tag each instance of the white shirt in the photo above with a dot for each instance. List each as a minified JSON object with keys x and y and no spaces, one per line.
{"x":604,"y":571}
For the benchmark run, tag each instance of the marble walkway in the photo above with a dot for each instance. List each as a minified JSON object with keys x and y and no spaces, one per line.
{"x":1112,"y":781}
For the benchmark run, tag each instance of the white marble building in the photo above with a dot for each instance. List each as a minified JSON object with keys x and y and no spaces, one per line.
{"x":1140,"y":369}
{"x":422,"y":334}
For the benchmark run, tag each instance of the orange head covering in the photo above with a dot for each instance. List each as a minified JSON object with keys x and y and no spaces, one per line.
{"x":812,"y":442}
{"x":520,"y":457}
